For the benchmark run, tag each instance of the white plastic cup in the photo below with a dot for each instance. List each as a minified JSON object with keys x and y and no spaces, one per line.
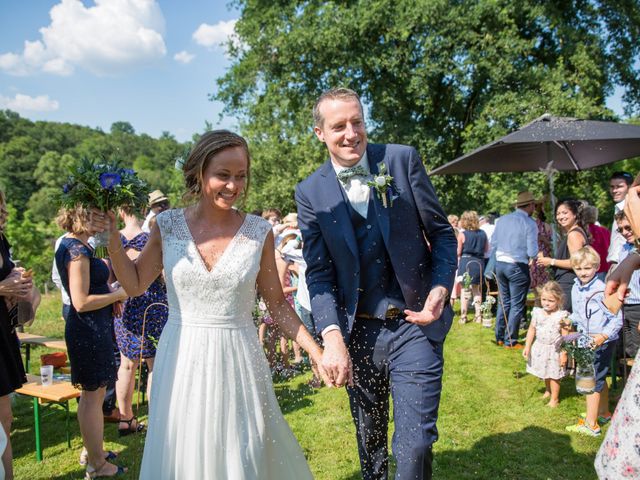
{"x":46,"y":374}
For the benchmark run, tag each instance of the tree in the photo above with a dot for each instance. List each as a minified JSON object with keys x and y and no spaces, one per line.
{"x":122,"y":127}
{"x":31,"y":244}
{"x":443,"y":76}
{"x":18,"y":159}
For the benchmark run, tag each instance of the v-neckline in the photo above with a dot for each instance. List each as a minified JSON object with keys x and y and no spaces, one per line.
{"x":226,"y":249}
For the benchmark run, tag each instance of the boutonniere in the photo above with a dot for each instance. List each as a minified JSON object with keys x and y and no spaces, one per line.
{"x":383,"y":183}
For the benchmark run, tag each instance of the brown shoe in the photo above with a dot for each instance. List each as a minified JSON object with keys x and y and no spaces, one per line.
{"x":515,"y":346}
{"x":499,"y":343}
{"x":113,"y":417}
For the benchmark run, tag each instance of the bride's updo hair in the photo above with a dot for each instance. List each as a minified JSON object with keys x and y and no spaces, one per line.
{"x":209,"y":145}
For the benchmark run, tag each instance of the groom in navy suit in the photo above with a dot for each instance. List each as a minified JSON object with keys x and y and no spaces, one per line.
{"x":380,"y":266}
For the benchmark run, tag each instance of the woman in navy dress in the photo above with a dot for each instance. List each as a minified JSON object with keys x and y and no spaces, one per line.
{"x":12,"y":376}
{"x":472,"y":245}
{"x":88,"y":332}
{"x":129,"y":328}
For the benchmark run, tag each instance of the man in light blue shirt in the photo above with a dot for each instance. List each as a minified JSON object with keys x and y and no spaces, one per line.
{"x":515,"y":243}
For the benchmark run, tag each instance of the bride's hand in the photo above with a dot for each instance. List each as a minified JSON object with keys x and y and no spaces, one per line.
{"x":100,"y":221}
{"x":322,"y":372}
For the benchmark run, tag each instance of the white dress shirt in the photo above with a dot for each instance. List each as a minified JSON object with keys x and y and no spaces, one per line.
{"x":488,"y":229}
{"x":356,"y":187}
{"x":55,"y":274}
{"x":145,"y":226}
{"x":617,"y":240}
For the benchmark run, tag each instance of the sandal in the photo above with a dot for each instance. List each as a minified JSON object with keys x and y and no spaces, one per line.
{"x":92,"y":472}
{"x":84,"y":456}
{"x":123,"y":432}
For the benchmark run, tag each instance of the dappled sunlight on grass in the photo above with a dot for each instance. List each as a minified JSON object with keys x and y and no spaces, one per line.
{"x":493,"y":422}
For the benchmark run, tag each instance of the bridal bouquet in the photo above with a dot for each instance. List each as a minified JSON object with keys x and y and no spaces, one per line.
{"x":104,"y":186}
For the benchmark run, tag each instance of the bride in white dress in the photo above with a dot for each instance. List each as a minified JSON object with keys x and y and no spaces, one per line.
{"x":214,"y":414}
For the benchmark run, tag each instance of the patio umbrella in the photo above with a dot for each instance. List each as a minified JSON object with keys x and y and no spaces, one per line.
{"x":551,"y":143}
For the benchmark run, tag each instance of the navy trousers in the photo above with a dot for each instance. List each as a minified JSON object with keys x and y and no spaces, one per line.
{"x":513,"y":285}
{"x":395,"y":357}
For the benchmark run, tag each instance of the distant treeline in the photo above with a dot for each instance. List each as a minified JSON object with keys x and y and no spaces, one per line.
{"x":35,"y":158}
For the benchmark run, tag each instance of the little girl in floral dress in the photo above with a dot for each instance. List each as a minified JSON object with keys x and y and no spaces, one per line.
{"x":544,"y":357}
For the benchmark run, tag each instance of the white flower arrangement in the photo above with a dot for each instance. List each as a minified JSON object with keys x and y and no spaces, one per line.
{"x":382,"y":184}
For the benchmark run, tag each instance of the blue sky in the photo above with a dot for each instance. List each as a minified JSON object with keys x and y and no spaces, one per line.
{"x":70,"y":72}
{"x":152,"y":63}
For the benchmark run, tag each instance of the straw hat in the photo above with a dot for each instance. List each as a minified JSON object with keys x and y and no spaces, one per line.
{"x":525,"y":198}
{"x":156,"y":197}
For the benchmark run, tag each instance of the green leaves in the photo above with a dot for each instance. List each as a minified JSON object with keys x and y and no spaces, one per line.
{"x":445,"y":77}
{"x":105,"y":186}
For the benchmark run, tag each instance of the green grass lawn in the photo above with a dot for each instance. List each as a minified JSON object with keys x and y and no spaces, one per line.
{"x":493,"y":424}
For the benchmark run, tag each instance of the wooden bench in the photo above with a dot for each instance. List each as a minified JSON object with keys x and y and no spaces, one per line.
{"x":57,"y":394}
{"x":28,"y":339}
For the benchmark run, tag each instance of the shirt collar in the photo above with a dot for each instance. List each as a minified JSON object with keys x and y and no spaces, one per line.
{"x":363,"y":162}
{"x":587,"y":286}
{"x":619,"y":206}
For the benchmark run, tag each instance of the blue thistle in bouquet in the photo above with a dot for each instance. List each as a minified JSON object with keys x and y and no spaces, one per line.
{"x":104,"y":186}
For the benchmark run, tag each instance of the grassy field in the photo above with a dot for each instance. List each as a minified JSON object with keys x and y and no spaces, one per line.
{"x":493,"y":424}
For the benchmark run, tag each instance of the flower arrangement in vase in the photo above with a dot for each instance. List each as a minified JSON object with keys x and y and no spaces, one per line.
{"x":581,"y":349}
{"x":486,"y":308}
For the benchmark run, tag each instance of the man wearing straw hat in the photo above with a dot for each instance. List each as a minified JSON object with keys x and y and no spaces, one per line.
{"x":515,"y":243}
{"x":158,"y":202}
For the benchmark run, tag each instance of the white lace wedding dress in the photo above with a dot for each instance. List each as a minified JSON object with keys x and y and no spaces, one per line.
{"x":214,"y":414}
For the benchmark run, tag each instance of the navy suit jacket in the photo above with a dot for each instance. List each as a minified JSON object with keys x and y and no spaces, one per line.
{"x":419,"y":240}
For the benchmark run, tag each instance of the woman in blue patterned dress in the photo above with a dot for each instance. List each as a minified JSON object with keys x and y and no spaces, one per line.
{"x":137,"y":337}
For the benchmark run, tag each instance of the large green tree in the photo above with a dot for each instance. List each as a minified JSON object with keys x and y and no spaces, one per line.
{"x":444,"y":76}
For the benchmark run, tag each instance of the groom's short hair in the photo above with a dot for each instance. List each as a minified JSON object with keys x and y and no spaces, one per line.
{"x":344,"y":94}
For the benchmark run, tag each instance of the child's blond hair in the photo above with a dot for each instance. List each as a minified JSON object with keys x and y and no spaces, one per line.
{"x":585,"y":255}
{"x":554,"y":289}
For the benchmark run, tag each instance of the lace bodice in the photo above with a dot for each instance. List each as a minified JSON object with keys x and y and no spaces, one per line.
{"x":222,"y":297}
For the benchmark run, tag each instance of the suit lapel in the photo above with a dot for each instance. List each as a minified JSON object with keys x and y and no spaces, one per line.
{"x":376,"y":156}
{"x":335,"y":199}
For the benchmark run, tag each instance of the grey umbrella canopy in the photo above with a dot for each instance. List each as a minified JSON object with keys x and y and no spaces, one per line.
{"x":569,"y":143}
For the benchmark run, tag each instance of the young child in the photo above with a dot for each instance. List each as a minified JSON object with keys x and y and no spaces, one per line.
{"x":631,"y":306}
{"x":544,"y":357}
{"x":592,"y":318}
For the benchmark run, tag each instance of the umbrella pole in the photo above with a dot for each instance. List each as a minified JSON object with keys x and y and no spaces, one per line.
{"x":550,"y":172}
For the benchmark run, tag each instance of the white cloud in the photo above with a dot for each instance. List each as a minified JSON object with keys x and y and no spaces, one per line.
{"x":24,"y":103}
{"x":184,"y":57}
{"x":214,"y":36}
{"x":109,"y":37}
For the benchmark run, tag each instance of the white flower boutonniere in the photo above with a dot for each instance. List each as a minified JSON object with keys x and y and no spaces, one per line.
{"x":382,"y":183}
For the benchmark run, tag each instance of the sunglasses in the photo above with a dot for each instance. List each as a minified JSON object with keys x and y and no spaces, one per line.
{"x":626,"y":228}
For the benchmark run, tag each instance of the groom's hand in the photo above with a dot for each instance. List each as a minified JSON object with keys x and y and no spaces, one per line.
{"x":432,"y":310}
{"x":336,"y":361}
